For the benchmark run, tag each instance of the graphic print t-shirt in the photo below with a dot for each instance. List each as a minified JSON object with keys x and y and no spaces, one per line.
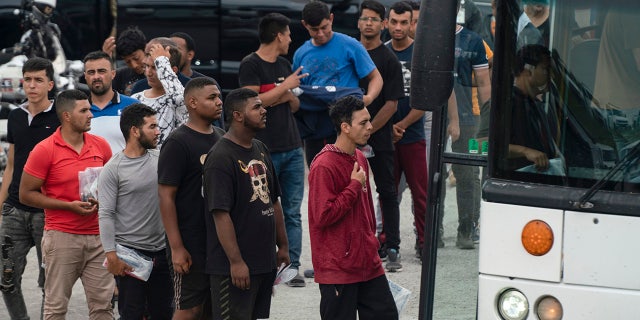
{"x":241,"y":181}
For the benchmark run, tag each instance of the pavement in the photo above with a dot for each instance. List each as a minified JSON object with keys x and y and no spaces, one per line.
{"x":456,"y":283}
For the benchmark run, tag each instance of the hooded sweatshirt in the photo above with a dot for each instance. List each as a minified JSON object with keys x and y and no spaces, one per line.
{"x":344,"y":247}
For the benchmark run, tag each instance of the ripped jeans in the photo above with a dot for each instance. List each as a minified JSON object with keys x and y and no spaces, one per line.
{"x":19,"y":232}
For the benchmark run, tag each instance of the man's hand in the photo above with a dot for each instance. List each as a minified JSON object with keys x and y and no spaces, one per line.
{"x":240,"y":275}
{"x":282,"y":256}
{"x":397,"y":133}
{"x":156,"y":50}
{"x":453,"y":129}
{"x":358,"y":174}
{"x":539,"y":159}
{"x":83,"y":208}
{"x":116,"y":266}
{"x":109,"y":46}
{"x":293,"y":80}
{"x":181,"y":260}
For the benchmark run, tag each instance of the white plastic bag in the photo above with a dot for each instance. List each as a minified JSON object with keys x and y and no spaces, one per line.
{"x":88,"y":181}
{"x":400,"y":295}
{"x":141,"y":264}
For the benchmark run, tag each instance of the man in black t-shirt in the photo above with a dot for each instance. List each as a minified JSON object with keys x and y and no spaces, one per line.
{"x":371,"y":23}
{"x":244,"y":217}
{"x":22,"y":226}
{"x":181,"y":200}
{"x":269,"y":74}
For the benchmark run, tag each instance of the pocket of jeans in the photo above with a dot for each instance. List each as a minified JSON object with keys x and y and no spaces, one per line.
{"x":7,"y":210}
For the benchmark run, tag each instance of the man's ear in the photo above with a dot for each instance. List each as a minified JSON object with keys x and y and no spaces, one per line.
{"x":345,"y":127}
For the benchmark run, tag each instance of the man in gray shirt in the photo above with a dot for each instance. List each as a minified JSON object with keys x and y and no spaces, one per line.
{"x":129,"y":216}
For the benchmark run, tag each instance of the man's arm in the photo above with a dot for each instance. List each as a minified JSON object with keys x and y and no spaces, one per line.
{"x":108,"y":186}
{"x":227,"y":237}
{"x":281,"y":236}
{"x":402,"y":125}
{"x":281,"y":93}
{"x":453,"y":129}
{"x":374,"y":88}
{"x":330,"y":205}
{"x":382,"y":117}
{"x":7,"y":176}
{"x":484,"y":84}
{"x":180,"y":257}
{"x":539,"y":159}
{"x":31,"y":195}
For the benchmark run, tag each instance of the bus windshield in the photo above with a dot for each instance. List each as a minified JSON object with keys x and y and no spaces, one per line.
{"x":568,"y":110}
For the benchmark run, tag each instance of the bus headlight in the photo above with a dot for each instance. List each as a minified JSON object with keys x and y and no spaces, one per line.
{"x":513,"y":305}
{"x":537,"y":237}
{"x":549,"y":308}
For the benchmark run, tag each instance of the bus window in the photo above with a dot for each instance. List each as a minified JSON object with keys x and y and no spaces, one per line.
{"x":585,"y":117}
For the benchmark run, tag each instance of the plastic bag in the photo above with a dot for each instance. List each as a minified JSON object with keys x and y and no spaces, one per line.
{"x":400,"y":295}
{"x":141,"y":264}
{"x":88,"y":181}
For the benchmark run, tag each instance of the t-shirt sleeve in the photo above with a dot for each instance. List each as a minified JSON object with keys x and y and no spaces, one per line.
{"x":39,"y":161}
{"x":248,"y":73}
{"x":361,"y":59}
{"x":172,"y":163}
{"x":108,"y":186}
{"x":106,"y":150}
{"x":218,"y":183}
{"x":480,"y":59}
{"x":393,"y":88}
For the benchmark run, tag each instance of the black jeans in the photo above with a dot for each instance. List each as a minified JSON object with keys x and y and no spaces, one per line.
{"x":155,"y":296}
{"x":382,"y":168}
{"x":313,"y":146}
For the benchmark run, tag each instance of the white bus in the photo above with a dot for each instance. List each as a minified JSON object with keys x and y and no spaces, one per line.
{"x":560,"y":212}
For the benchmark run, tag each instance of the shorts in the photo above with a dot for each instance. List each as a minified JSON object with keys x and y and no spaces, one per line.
{"x":235,"y":303}
{"x":191,"y":289}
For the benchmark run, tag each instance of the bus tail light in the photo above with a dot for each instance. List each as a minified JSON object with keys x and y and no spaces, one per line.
{"x":537,"y":237}
{"x":549,"y":308}
{"x":513,"y":305}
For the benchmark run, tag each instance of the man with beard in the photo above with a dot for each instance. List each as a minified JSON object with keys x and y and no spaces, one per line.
{"x":71,"y":246}
{"x":106,"y":103}
{"x":244,"y":217}
{"x":129,"y":216}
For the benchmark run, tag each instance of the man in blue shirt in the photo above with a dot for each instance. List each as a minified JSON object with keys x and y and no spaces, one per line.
{"x":106,"y":103}
{"x":331,"y":59}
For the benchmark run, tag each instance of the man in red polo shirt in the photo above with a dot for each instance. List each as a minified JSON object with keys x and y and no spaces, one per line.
{"x":71,"y":246}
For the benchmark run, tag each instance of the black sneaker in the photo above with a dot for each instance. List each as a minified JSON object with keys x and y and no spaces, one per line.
{"x":393,"y":261}
{"x":382,"y":252}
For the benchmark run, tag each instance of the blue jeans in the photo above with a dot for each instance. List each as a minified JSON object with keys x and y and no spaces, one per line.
{"x":289,"y":167}
{"x":24,"y":229}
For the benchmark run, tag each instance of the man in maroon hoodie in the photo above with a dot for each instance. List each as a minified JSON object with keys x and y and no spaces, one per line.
{"x":344,"y":247}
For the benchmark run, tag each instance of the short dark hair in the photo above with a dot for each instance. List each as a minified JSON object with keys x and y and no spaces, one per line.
{"x":97,"y":55}
{"x":133,"y":116}
{"x":66,"y":101}
{"x":531,"y":54}
{"x":130,"y":41}
{"x":342,"y":110}
{"x":191,"y":44}
{"x":174,"y":53}
{"x":38,"y":64}
{"x":198,"y":83}
{"x":415,"y":5}
{"x":374,"y":6}
{"x":236,"y":100}
{"x":401,"y":7}
{"x":314,"y":12}
{"x":272,"y":24}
